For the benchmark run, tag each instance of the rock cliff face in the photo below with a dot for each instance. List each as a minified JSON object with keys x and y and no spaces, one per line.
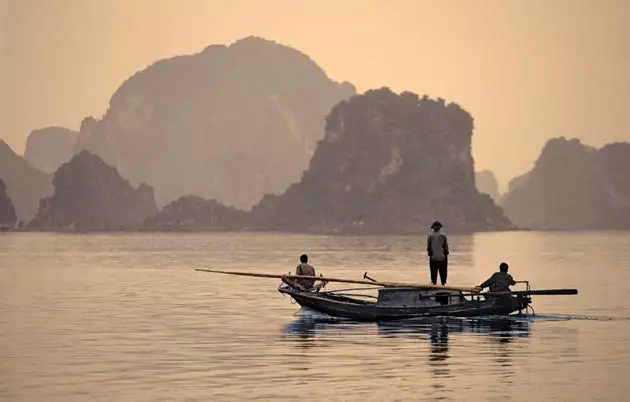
{"x":388,"y":164}
{"x":91,"y":195}
{"x":48,"y":148}
{"x":192,"y":213}
{"x":574,"y":187}
{"x":230,"y":123}
{"x":487,"y":184}
{"x":517,"y":182}
{"x":25,"y":184}
{"x":7,"y":211}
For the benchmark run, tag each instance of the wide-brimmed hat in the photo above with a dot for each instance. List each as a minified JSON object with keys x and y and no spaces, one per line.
{"x":436,"y":225}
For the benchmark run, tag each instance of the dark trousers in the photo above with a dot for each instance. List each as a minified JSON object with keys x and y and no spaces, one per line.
{"x":441,"y":267}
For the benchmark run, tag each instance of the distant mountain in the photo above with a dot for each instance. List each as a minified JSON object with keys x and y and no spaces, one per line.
{"x":26,"y":185}
{"x":231,"y":123}
{"x":574,"y":187}
{"x":91,"y":195}
{"x":487,"y":184}
{"x":7,"y":211}
{"x":48,"y":148}
{"x":517,"y":182}
{"x":389,"y":164}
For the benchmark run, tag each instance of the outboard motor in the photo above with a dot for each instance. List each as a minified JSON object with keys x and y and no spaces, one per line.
{"x":525,"y":302}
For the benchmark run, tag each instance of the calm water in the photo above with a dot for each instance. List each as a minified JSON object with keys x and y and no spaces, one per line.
{"x":126,"y":318}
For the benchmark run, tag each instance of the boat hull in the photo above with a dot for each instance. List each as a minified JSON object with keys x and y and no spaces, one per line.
{"x":371,"y":311}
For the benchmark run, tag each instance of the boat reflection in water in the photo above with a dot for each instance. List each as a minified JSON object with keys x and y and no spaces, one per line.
{"x":491,"y":336}
{"x":501,"y":328}
{"x":498,"y":332}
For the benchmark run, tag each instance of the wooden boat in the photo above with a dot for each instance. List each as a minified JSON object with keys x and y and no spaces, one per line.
{"x":396,"y":301}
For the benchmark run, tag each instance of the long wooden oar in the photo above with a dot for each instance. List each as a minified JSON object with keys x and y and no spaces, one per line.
{"x":540,"y":292}
{"x":357,"y":281}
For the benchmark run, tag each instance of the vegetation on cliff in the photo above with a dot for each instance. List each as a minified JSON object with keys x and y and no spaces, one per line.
{"x":91,"y":195}
{"x":574,"y":187}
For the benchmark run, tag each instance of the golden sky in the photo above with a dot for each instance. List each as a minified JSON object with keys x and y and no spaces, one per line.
{"x":527,"y":70}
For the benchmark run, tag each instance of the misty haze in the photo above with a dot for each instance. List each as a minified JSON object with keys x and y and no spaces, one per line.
{"x":384,"y":165}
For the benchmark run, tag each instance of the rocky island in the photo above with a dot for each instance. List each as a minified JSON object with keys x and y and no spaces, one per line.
{"x":573,"y":187}
{"x":91,"y":195}
{"x":193,"y":213}
{"x":8,"y":219}
{"x":255,"y":136}
{"x":388,"y":164}
{"x":25,"y":184}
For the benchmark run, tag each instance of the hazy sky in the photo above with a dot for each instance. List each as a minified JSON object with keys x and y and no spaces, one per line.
{"x":527,"y":70}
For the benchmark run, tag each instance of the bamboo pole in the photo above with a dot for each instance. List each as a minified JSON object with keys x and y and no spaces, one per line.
{"x":341,"y":280}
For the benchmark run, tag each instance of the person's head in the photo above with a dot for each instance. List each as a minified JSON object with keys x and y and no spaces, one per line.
{"x":436,"y":225}
{"x":303,"y":258}
{"x":503,"y":267}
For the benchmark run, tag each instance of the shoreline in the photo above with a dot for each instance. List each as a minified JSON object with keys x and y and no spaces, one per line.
{"x":253,"y":231}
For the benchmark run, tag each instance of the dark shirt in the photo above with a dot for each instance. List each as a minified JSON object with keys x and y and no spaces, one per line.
{"x":307,"y":270}
{"x":499,"y":282}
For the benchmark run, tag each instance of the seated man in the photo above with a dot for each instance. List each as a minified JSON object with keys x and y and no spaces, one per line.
{"x":499,"y":281}
{"x":304,"y":268}
{"x":304,"y":284}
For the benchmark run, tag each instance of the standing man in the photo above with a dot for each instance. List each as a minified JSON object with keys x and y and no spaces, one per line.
{"x":437,"y":248}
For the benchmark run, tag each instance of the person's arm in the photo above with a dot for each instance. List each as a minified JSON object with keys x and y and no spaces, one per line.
{"x":429,"y":245}
{"x":488,"y":282}
{"x":298,"y":269}
{"x":445,"y":245}
{"x":512,"y":281}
